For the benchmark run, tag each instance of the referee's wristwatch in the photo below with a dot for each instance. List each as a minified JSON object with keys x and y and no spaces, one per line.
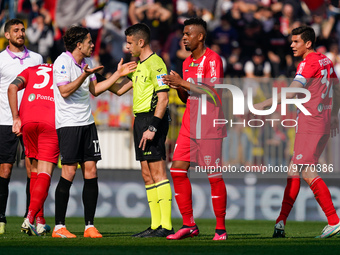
{"x":152,"y":128}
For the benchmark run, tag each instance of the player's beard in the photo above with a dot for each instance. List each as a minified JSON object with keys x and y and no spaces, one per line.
{"x":18,"y":45}
{"x":187,"y":48}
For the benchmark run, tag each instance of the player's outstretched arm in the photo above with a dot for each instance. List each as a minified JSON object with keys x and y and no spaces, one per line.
{"x":12,"y":91}
{"x":123,"y":69}
{"x":69,"y":88}
{"x":268,"y":102}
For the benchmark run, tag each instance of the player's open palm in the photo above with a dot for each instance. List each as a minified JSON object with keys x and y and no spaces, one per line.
{"x":334,"y":125}
{"x":173,"y":80}
{"x":89,"y":71}
{"x":125,"y":69}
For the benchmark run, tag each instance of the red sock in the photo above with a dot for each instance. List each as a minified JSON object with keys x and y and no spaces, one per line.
{"x":34,"y":176}
{"x":38,"y":197}
{"x":323,"y":196}
{"x":219,"y":198}
{"x":183,"y":195}
{"x":291,"y":192}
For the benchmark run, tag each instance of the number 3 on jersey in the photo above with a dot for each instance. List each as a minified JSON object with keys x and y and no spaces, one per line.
{"x":43,"y":72}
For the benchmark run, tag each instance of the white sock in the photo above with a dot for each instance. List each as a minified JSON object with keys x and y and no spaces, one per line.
{"x":88,"y":226}
{"x":57,"y":227}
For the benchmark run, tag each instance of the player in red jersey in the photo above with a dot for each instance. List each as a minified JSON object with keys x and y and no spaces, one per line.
{"x":35,"y":120}
{"x":198,"y":140}
{"x":316,"y":74}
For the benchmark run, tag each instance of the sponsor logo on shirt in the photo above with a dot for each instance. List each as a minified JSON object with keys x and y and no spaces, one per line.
{"x":322,"y":107}
{"x":299,"y":156}
{"x":31,"y":97}
{"x":159,"y":79}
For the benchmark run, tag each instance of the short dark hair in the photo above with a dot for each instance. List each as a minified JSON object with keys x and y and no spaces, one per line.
{"x":11,"y":23}
{"x":74,"y":35}
{"x":197,"y":22}
{"x":140,"y":30}
{"x":307,"y":34}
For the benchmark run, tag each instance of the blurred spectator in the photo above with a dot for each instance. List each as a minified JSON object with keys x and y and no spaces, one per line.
{"x":40,"y":35}
{"x":94,"y":23}
{"x":234,"y":63}
{"x":223,"y":35}
{"x":257,"y":67}
{"x":279,"y":52}
{"x":170,"y":48}
{"x":186,"y":10}
{"x":333,"y":54}
{"x":156,"y":15}
{"x":265,"y":16}
{"x":7,"y":10}
{"x":250,"y":39}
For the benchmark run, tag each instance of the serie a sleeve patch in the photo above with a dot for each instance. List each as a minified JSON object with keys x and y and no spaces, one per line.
{"x":159,"y":79}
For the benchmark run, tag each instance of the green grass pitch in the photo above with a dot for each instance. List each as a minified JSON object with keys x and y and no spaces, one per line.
{"x":245,"y":237}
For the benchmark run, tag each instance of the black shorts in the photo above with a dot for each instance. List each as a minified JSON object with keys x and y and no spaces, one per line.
{"x":155,"y":149}
{"x":8,"y":145}
{"x":78,"y":144}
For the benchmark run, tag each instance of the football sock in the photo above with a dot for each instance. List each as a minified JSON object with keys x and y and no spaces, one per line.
{"x":62,"y":194}
{"x":28,"y":195}
{"x":323,"y":196}
{"x":33,"y":179}
{"x":90,"y":197}
{"x":291,"y":192}
{"x":57,"y":227}
{"x":88,"y":226}
{"x":164,"y":200}
{"x":183,"y":195}
{"x":38,"y":197}
{"x":219,"y":198}
{"x":3,"y":198}
{"x":155,"y":210}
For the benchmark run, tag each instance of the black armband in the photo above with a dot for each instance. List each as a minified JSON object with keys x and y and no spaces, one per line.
{"x":155,"y":121}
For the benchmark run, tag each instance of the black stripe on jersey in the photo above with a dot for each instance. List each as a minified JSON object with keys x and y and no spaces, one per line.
{"x":163,"y":90}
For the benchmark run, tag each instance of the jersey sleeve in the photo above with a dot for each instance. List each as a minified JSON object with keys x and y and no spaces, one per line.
{"x":157,"y":73}
{"x":61,"y":72}
{"x":25,"y":75}
{"x":214,"y":70}
{"x":305,"y":72}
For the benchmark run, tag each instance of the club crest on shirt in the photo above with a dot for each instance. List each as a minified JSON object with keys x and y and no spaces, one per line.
{"x":207,"y":160}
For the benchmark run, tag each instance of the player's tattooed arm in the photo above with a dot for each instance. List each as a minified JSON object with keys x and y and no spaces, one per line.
{"x":19,"y":82}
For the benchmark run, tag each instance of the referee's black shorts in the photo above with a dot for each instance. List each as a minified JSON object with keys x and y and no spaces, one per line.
{"x":155,"y":149}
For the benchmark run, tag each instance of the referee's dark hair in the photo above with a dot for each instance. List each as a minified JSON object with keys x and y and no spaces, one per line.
{"x":140,"y":30}
{"x":11,"y":23}
{"x":307,"y":34}
{"x":74,"y":35}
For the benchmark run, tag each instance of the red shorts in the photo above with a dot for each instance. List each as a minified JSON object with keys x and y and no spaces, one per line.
{"x":41,"y":142}
{"x":207,"y":152}
{"x":308,"y":148}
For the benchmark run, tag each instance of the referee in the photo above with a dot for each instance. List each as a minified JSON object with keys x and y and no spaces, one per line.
{"x":150,"y":100}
